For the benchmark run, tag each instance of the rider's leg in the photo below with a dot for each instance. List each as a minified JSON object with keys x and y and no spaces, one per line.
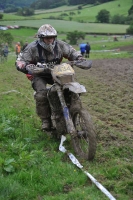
{"x":42,"y":104}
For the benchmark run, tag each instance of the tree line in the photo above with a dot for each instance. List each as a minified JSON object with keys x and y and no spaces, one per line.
{"x":47,"y":4}
{"x":4,"y":4}
{"x":13,"y":5}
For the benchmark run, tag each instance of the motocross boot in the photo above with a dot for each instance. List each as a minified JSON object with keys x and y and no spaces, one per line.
{"x":46,"y":124}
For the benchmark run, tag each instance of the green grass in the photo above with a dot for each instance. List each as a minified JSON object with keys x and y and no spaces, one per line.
{"x":80,"y":21}
{"x":23,"y":34}
{"x":58,"y":9}
{"x":31,"y":165}
{"x":89,"y":14}
{"x":99,"y":44}
{"x":69,"y":26}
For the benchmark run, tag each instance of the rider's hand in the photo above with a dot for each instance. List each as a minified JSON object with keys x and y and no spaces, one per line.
{"x":45,"y":67}
{"x":30,"y":68}
{"x":81,"y":58}
{"x":34,"y":69}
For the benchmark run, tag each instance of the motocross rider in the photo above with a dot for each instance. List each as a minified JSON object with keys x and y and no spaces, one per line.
{"x":46,"y":49}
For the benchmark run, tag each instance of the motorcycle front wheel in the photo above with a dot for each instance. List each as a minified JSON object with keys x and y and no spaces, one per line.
{"x":84,"y":143}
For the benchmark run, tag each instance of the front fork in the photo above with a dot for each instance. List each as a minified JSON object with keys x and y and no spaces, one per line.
{"x":69,"y":123}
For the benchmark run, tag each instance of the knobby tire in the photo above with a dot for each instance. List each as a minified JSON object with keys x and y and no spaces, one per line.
{"x":84,"y":143}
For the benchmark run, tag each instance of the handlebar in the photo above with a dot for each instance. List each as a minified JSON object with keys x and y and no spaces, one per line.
{"x":41,"y":67}
{"x":83,"y":64}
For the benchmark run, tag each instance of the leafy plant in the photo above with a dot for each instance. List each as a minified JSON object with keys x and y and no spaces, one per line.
{"x":8,"y":165}
{"x":103,"y":16}
{"x":73,"y":37}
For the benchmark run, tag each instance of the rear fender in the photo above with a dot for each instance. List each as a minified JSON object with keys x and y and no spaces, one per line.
{"x":74,"y":87}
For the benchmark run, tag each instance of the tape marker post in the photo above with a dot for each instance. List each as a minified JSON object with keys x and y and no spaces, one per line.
{"x":76,"y":162}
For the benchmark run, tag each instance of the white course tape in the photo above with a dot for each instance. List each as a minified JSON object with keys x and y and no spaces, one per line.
{"x":10,"y":91}
{"x":76,"y":162}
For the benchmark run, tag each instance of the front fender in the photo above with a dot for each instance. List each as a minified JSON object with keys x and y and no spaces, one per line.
{"x":74,"y":87}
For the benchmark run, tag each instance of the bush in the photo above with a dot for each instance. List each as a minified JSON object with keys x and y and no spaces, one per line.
{"x":1,"y":16}
{"x":118,"y":19}
{"x":73,"y":37}
{"x":79,"y":7}
{"x":130,"y":11}
{"x":25,"y":11}
{"x":103,"y":16}
{"x":6,"y":37}
{"x":130,"y":29}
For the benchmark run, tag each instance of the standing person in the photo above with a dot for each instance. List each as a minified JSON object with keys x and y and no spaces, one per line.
{"x":87,"y":49}
{"x":46,"y":49}
{"x":82,"y":49}
{"x":2,"y":52}
{"x":18,"y":48}
{"x":25,"y":45}
{"x":5,"y":51}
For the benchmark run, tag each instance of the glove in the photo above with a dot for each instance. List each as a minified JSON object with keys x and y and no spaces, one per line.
{"x":45,"y":67}
{"x":29,"y":68}
{"x":84,"y":64}
{"x":81,"y":58}
{"x":33,"y":69}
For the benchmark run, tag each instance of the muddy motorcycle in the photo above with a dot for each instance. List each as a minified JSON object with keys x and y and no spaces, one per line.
{"x":67,"y":114}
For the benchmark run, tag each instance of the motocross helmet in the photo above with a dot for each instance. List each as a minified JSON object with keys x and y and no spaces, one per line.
{"x":46,"y":30}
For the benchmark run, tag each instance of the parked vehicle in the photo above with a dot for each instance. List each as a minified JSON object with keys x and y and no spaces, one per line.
{"x":3,"y":28}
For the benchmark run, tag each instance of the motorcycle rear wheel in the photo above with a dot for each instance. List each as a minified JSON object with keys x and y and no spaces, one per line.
{"x":84,"y":143}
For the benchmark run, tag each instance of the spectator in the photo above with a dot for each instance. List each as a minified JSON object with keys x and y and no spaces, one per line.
{"x":82,"y":49}
{"x":5,"y":51}
{"x":87,"y":49}
{"x":2,"y":52}
{"x":115,"y":38}
{"x":18,"y":48}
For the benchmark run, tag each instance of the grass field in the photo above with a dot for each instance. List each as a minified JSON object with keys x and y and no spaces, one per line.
{"x":98,"y":42}
{"x":31,"y":166}
{"x":79,"y":20}
{"x":69,"y":26}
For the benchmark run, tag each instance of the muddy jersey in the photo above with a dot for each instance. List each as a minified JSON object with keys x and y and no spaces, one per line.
{"x":34,"y":53}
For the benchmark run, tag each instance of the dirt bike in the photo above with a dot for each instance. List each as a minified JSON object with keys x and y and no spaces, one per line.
{"x":67,"y":114}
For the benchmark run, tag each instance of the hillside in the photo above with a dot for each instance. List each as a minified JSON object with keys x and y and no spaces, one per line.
{"x":32,"y":167}
{"x":45,"y":4}
{"x":87,"y":14}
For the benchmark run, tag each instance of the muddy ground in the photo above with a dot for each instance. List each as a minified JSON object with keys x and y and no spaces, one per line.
{"x":109,"y":99}
{"x":127,"y":48}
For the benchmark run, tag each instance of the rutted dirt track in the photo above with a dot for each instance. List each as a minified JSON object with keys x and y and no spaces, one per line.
{"x":109,"y":84}
{"x":112,"y":70}
{"x":127,"y":48}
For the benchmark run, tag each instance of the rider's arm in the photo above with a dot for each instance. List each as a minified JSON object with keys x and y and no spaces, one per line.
{"x":69,"y":52}
{"x":26,"y":57}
